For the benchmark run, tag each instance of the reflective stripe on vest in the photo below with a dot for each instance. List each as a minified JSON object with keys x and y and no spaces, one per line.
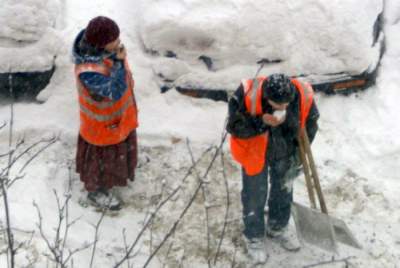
{"x":253,"y":95}
{"x":108,"y":117}
{"x":108,"y":121}
{"x":306,"y":99}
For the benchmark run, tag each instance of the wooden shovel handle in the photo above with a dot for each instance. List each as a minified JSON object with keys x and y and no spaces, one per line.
{"x":306,"y":169}
{"x":317,"y":185}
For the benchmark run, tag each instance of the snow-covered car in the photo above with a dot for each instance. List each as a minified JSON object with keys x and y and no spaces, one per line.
{"x":28,"y":45}
{"x":205,"y":47}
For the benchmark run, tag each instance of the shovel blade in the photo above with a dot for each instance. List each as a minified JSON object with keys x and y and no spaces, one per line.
{"x":321,"y":230}
{"x":314,"y":227}
{"x":343,"y":234}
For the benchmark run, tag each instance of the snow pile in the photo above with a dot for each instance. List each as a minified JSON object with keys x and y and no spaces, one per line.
{"x":357,"y":150}
{"x":309,"y":36}
{"x":27,"y":39}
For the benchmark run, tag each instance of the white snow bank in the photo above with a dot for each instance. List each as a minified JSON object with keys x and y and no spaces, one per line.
{"x":27,"y":20}
{"x":28,"y":41}
{"x":303,"y":34}
{"x":38,"y":56}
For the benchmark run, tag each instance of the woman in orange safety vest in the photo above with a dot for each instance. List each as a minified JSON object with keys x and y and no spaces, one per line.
{"x":107,"y":143}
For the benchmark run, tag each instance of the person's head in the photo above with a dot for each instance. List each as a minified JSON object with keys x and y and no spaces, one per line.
{"x":103,"y":33}
{"x":279,"y":91}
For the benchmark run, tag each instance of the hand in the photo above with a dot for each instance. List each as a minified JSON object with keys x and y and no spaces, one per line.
{"x":121,"y":53}
{"x":271,"y":120}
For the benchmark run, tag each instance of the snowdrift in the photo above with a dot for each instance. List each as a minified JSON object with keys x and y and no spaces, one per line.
{"x":222,"y":40}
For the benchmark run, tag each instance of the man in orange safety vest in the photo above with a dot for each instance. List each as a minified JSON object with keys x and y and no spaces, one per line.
{"x":265,"y":116}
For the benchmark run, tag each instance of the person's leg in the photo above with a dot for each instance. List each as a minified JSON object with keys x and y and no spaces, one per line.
{"x":132,"y":154}
{"x":280,"y":200}
{"x":281,"y":194}
{"x":254,"y":196}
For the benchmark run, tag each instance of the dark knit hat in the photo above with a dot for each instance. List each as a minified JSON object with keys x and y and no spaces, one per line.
{"x":101,"y":31}
{"x":279,"y":88}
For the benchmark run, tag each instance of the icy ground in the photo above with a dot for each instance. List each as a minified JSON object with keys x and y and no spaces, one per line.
{"x":357,"y":152}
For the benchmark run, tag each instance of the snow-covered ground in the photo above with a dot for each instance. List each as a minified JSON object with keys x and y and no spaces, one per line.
{"x":357,"y":152}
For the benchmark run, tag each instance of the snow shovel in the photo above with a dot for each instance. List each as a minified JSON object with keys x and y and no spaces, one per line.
{"x":312,"y":226}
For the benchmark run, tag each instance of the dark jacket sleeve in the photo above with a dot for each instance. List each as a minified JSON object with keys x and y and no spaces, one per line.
{"x":242,"y":124}
{"x":312,"y":124}
{"x":112,"y":86}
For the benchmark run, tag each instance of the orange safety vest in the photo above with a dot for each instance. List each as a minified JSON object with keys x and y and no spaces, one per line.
{"x":251,"y":152}
{"x":106,"y":122}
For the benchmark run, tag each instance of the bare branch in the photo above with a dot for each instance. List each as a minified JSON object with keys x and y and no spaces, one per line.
{"x":46,"y":240}
{"x":234,"y":256}
{"x":58,"y":247}
{"x":3,"y":125}
{"x":168,"y":251}
{"x":4,"y":180}
{"x":227,"y":208}
{"x":96,"y":238}
{"x":217,"y":151}
{"x":345,"y":260}
{"x":126,"y":246}
{"x":203,"y":190}
{"x":17,"y":178}
{"x":14,"y":160}
{"x":10,"y":236}
{"x":51,"y":142}
{"x":73,"y":252}
{"x":157,"y":209}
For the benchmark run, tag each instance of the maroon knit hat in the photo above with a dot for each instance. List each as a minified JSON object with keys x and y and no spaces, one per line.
{"x":101,"y":31}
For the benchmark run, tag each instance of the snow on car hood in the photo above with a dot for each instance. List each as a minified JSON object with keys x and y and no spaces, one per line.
{"x":28,"y":41}
{"x":309,"y":37}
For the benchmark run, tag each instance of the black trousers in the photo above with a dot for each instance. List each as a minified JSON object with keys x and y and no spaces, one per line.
{"x":254,"y":196}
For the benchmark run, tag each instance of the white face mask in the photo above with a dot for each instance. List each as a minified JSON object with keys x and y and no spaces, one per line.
{"x":279,"y":114}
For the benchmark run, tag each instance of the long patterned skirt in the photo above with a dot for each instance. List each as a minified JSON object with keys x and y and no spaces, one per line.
{"x":103,"y":167}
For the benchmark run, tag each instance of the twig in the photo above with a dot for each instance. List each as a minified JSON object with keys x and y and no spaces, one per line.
{"x":125,"y":246}
{"x":73,"y":252}
{"x":96,"y":238}
{"x":3,"y":180}
{"x":157,"y":209}
{"x":227,"y":208}
{"x":234,"y":256}
{"x":67,"y":223}
{"x":3,"y":125}
{"x":58,"y":247}
{"x":203,"y":190}
{"x":345,"y":260}
{"x":167,"y":254}
{"x":17,"y":178}
{"x":26,"y":151}
{"x":51,"y":142}
{"x":46,"y":240}
{"x":60,"y":220}
{"x":187,"y":206}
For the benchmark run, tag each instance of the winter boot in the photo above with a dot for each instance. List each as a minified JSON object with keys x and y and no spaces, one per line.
{"x":286,"y":240}
{"x":104,"y":199}
{"x":256,"y":250}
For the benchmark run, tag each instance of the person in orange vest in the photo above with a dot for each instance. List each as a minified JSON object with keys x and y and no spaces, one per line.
{"x":107,"y":143}
{"x":265,"y":115}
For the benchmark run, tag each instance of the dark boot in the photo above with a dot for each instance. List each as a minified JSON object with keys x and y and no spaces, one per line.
{"x":104,"y":199}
